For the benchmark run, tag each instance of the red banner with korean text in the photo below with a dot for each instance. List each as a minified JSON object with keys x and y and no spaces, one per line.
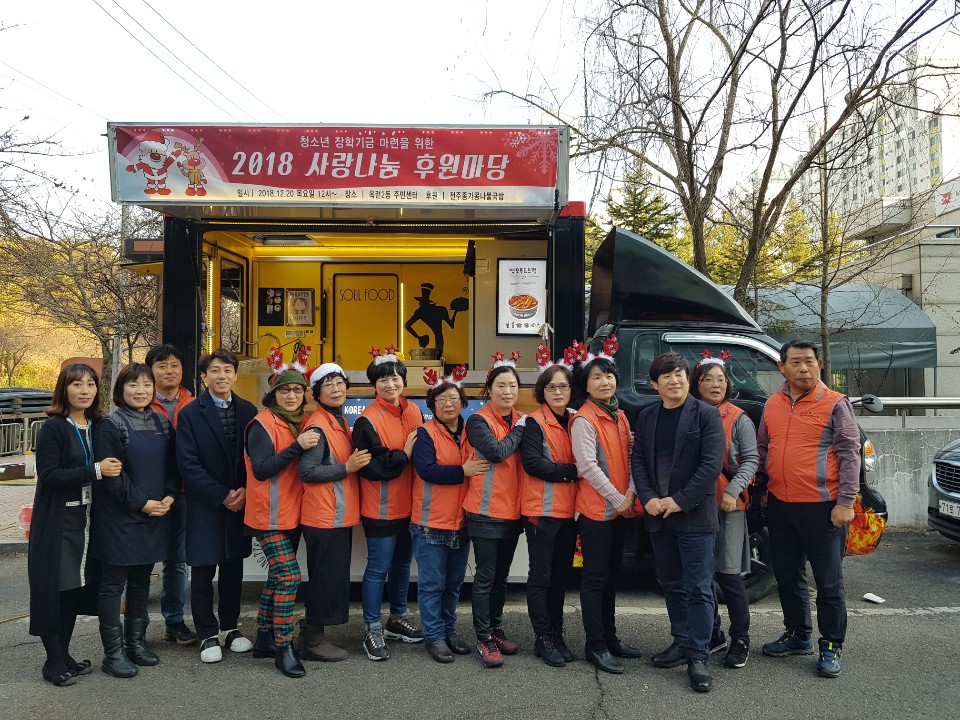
{"x":334,"y":165}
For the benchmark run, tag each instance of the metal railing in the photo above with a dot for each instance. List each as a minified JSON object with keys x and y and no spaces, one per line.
{"x":19,"y":436}
{"x":11,"y":438}
{"x":919,"y":403}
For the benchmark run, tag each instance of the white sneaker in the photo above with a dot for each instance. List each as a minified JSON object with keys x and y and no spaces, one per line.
{"x":210,"y":650}
{"x":237,"y":642}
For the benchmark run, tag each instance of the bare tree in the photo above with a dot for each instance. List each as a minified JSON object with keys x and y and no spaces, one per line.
{"x":71,"y":273}
{"x":695,"y":89}
{"x":16,"y":343}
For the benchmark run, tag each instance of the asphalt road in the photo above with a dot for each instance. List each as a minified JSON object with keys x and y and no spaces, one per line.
{"x":901,"y":660}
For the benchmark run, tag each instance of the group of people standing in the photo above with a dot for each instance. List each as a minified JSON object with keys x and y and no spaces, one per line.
{"x":110,"y":489}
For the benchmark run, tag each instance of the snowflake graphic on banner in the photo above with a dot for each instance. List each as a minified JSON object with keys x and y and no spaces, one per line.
{"x":536,"y":147}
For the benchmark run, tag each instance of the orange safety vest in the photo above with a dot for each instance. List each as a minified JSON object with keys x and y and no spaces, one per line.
{"x":613,"y":449}
{"x":390,"y":499}
{"x":801,"y":463}
{"x":332,"y":504}
{"x":496,"y":493}
{"x":539,"y":498}
{"x":183,"y":398}
{"x":728,"y":416}
{"x":274,"y":504}
{"x":441,"y":506}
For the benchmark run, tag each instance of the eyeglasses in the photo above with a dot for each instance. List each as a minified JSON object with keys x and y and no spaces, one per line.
{"x":562,"y":387}
{"x":447,"y":401}
{"x":713,"y":381}
{"x":290,"y":390}
{"x":333,"y":384}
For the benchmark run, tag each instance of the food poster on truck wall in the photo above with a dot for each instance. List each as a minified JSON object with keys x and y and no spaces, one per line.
{"x":521,"y":296}
{"x":338,"y":165}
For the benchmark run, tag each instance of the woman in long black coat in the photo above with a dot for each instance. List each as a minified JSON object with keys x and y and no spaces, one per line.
{"x":129,"y":524}
{"x":63,"y":580}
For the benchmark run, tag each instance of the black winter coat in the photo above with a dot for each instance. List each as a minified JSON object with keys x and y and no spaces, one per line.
{"x":697,"y":460}
{"x":121,"y":533}
{"x":61,"y":473}
{"x":210,"y":470}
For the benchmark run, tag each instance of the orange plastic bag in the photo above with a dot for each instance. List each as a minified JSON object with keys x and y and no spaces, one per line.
{"x":865,"y":531}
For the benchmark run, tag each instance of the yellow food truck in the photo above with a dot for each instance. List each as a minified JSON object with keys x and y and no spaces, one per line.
{"x":449,"y":243}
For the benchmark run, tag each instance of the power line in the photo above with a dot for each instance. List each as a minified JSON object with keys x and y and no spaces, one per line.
{"x":215,"y":64}
{"x":196,"y":74}
{"x":165,"y":64}
{"x":47,"y":87}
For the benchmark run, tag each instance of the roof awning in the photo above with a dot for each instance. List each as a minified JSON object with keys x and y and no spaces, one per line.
{"x":635,"y":279}
{"x":871,"y":326}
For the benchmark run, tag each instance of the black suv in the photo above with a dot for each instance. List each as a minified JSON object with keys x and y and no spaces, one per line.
{"x":654,"y":303}
{"x":943,"y":511}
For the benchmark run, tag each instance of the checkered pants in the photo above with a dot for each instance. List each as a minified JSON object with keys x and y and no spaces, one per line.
{"x":280,"y":590}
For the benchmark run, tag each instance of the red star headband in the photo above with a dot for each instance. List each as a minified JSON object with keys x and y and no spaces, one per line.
{"x":499,"y":361}
{"x":389,"y":355}
{"x":707,"y":358}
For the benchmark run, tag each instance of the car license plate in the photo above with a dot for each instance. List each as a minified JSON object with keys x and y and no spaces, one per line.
{"x":950,"y":508}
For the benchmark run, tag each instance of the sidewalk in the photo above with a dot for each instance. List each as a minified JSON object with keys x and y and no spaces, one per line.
{"x":14,"y":494}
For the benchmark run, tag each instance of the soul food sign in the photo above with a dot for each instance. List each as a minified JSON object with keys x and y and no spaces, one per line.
{"x":330,"y":165}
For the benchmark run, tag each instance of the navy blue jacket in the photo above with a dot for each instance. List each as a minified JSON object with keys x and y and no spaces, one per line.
{"x":697,"y":461}
{"x":210,"y":471}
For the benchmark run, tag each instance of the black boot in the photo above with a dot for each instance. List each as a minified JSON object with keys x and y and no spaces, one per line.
{"x":288,"y":663}
{"x":134,"y":630}
{"x":115,"y":662}
{"x":546,"y":649}
{"x":265,"y":645}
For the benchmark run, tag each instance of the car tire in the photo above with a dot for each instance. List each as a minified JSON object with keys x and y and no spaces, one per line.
{"x":760,"y":581}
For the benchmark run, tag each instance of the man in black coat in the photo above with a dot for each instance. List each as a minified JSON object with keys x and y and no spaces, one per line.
{"x":210,"y":458}
{"x":676,"y":460}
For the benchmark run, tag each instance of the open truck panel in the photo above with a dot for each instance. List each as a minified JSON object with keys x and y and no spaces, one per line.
{"x":343,"y":238}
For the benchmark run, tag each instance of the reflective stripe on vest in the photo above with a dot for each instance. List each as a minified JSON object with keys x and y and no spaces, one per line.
{"x":539,"y":498}
{"x":729,"y":413}
{"x":801,"y":464}
{"x":613,"y":448}
{"x":273,"y":504}
{"x":496,"y":493}
{"x":390,"y":499}
{"x":332,"y":504}
{"x":441,"y":506}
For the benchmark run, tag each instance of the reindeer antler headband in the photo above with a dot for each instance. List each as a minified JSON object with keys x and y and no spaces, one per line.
{"x":433,"y":380}
{"x":609,"y":349}
{"x":567,"y":361}
{"x":300,"y":357}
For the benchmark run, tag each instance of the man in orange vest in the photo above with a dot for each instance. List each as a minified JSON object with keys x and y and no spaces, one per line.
{"x":809,"y":445}
{"x":677,"y":455}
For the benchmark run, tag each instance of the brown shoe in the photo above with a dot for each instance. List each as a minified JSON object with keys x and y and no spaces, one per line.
{"x":312,"y":644}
